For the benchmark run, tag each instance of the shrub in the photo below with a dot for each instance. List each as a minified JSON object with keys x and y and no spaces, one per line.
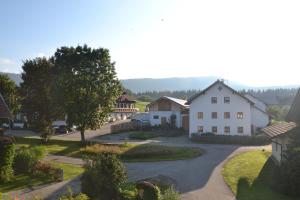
{"x":149,"y":191}
{"x":103,"y":177}
{"x":170,"y":194}
{"x":70,"y":196}
{"x":27,"y":158}
{"x":287,"y":175}
{"x":230,"y":139}
{"x":7,"y":152}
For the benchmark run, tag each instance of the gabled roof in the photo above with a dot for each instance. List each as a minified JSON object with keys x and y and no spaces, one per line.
{"x":279,"y":129}
{"x":247,"y":93}
{"x":180,"y":102}
{"x":4,"y":110}
{"x":294,"y":112}
{"x":215,"y":83}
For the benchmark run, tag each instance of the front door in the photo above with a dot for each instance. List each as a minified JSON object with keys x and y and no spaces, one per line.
{"x":163,"y":120}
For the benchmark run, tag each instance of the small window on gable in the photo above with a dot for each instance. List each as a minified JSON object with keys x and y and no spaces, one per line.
{"x":214,"y":129}
{"x":155,"y":117}
{"x":226,"y":99}
{"x":200,"y":115}
{"x":240,"y":115}
{"x":240,"y":130}
{"x":200,"y":129}
{"x":214,"y":100}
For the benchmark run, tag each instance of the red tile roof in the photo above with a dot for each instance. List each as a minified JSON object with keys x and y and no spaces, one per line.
{"x":278,"y":129}
{"x":126,"y":98}
{"x":4,"y":111}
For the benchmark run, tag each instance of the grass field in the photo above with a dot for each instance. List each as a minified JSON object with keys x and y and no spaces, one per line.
{"x":127,"y":152}
{"x":23,"y":181}
{"x":141,"y":105}
{"x":249,"y":176}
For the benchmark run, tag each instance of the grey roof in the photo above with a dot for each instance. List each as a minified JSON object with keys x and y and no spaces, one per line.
{"x":181,"y":102}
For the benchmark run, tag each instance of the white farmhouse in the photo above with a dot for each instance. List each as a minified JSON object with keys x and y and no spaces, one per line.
{"x":165,"y":109}
{"x":219,"y":109}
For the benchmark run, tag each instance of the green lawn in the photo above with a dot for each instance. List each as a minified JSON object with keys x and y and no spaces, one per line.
{"x":127,"y":152}
{"x":249,"y":176}
{"x":23,"y":181}
{"x":145,"y":135}
{"x":141,"y":105}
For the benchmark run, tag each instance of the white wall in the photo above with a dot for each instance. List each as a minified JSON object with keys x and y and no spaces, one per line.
{"x":258,"y":118}
{"x":166,"y":114}
{"x":237,"y":104}
{"x":281,"y":147}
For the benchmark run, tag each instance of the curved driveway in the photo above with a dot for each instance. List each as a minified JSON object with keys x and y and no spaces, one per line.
{"x":198,"y":178}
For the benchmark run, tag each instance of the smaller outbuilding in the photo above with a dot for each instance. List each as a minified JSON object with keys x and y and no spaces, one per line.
{"x":279,"y":135}
{"x":169,"y":110}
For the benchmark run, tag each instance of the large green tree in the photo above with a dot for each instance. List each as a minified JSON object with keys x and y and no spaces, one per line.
{"x":87,"y":85}
{"x":36,"y":89}
{"x":9,"y":91}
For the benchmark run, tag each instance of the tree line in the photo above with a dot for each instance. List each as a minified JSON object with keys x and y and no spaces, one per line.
{"x":282,"y":96}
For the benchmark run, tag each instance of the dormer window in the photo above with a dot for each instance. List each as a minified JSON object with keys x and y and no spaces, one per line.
{"x":214,"y":100}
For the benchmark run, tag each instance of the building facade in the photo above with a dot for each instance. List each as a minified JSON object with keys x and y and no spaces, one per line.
{"x":168,"y":110}
{"x":219,"y":109}
{"x":124,"y":108}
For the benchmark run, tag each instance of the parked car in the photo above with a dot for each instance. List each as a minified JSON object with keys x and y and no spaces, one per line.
{"x":62,"y":129}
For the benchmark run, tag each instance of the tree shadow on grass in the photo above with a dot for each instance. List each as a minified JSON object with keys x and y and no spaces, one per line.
{"x":261,"y":187}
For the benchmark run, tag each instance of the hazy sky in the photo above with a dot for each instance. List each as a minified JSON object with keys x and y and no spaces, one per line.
{"x":254,"y":42}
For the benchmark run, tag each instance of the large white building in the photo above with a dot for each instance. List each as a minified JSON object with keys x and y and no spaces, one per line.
{"x":219,"y":109}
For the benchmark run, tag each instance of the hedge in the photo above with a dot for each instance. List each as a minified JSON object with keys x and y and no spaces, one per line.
{"x":7,"y":152}
{"x":228,"y":139}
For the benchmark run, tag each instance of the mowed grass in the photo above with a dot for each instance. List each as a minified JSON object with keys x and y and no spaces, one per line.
{"x":127,"y":152}
{"x":249,"y":176}
{"x":22,"y":181}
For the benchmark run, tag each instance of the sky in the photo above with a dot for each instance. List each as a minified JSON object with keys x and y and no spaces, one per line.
{"x":253,"y":42}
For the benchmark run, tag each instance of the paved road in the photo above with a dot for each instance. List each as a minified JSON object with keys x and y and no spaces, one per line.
{"x":198,"y":178}
{"x":74,"y":136}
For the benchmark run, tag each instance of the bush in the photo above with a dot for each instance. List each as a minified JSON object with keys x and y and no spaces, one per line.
{"x":27,"y":158}
{"x":102,"y":177}
{"x":7,"y":152}
{"x":228,"y":139}
{"x":103,"y":148}
{"x":170,"y":194}
{"x":287,"y":175}
{"x":70,"y":196}
{"x":150,"y":191}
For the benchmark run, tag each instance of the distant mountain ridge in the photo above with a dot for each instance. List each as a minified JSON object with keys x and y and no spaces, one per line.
{"x":170,"y":84}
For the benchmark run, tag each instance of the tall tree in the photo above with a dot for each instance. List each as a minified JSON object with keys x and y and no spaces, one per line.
{"x":36,"y":90}
{"x":9,"y":91}
{"x":87,"y":85}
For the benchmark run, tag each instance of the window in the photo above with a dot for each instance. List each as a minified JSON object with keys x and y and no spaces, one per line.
{"x":240,"y":115}
{"x":214,"y":115}
{"x":214,"y":129}
{"x":200,"y":115}
{"x":155,"y":117}
{"x":226,"y":99}
{"x":240,"y":129}
{"x":214,"y":100}
{"x":227,"y":129}
{"x":226,"y":115}
{"x":200,"y":129}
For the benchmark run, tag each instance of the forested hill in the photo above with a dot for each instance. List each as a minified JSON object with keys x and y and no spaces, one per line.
{"x":282,"y":96}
